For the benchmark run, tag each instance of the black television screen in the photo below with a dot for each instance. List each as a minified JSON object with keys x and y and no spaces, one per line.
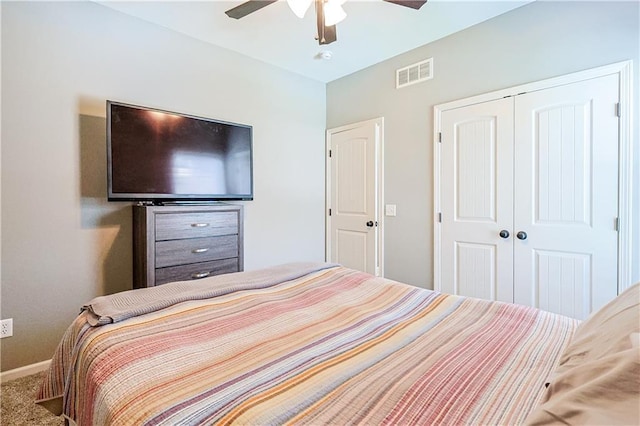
{"x":158,"y":156}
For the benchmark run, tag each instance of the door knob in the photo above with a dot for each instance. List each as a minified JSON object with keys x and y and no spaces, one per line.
{"x":370,"y":224}
{"x":521,"y":235}
{"x":504,"y":233}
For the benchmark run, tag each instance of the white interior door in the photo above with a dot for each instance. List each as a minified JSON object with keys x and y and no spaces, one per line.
{"x":566,"y":197}
{"x":353,"y":199}
{"x":477,"y":200}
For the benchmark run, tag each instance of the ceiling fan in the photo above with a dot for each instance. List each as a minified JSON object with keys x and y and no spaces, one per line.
{"x":328,"y":13}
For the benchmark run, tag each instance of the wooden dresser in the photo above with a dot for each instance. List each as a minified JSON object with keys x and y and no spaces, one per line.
{"x":180,"y":243}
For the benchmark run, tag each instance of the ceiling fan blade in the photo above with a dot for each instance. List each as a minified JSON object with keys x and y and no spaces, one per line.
{"x":248,"y":7}
{"x":326,"y":33}
{"x":413,"y":4}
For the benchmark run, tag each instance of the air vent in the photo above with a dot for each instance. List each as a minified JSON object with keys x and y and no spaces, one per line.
{"x":415,"y":73}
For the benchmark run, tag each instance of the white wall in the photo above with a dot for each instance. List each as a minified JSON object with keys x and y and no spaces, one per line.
{"x":531,"y":43}
{"x":62,"y":242}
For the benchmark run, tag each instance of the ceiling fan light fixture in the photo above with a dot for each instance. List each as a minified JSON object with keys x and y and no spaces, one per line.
{"x":333,"y":12}
{"x":299,"y":7}
{"x":328,"y":13}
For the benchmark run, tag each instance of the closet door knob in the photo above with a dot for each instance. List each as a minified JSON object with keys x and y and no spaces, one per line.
{"x":504,"y":233}
{"x":370,"y":224}
{"x":521,"y":235}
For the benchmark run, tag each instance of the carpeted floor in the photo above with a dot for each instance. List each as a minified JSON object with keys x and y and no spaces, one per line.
{"x":19,"y":407}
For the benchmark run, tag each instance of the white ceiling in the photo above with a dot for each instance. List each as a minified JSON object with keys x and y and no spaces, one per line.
{"x":373,"y":31}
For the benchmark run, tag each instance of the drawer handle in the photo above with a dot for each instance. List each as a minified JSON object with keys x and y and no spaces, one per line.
{"x":199,"y":225}
{"x":200,"y":250}
{"x":197,"y":275}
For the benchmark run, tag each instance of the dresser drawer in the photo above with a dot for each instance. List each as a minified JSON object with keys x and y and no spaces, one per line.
{"x":171,"y":226}
{"x":196,"y":270}
{"x":194,"y":250}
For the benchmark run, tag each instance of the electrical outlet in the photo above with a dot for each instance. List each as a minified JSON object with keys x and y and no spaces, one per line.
{"x":6,"y":329}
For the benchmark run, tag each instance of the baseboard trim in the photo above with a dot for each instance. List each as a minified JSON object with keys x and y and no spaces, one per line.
{"x":27,"y":370}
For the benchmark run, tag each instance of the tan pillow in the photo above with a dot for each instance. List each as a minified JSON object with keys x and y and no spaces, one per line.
{"x":598,"y":379}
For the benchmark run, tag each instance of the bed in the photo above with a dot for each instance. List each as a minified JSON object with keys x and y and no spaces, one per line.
{"x":314,"y":343}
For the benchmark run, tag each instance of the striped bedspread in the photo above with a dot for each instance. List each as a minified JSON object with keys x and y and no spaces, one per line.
{"x":335,"y":346}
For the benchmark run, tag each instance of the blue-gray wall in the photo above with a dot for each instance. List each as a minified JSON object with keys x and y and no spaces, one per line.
{"x":537,"y":41}
{"x":62,"y":243}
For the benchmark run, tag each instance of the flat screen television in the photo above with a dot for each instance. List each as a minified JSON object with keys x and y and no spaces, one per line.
{"x":160,"y":156}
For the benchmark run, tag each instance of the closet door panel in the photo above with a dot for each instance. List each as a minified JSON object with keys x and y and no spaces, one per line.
{"x":476,"y":200}
{"x":563,"y":282}
{"x":566,"y":159}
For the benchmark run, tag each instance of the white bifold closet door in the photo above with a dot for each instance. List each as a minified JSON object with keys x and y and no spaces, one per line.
{"x":529,"y":197}
{"x":477,"y":200}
